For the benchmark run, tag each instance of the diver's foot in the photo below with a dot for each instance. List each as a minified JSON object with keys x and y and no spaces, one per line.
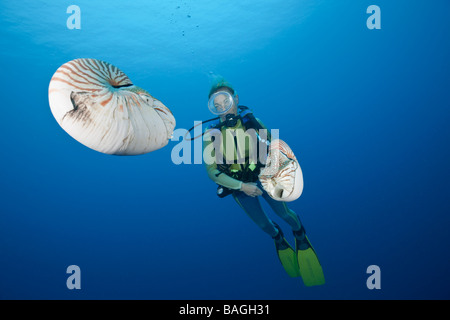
{"x":302,"y":241}
{"x":286,"y":254}
{"x":280,"y":242}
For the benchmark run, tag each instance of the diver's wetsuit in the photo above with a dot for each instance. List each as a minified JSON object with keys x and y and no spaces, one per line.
{"x":250,"y":205}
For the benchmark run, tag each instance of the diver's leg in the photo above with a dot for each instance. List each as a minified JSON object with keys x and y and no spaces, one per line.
{"x":253,"y":209}
{"x":308,"y":264}
{"x":285,"y":252}
{"x":281,"y":209}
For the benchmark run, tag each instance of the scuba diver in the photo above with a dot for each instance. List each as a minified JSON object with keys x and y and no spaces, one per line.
{"x":240,"y":179}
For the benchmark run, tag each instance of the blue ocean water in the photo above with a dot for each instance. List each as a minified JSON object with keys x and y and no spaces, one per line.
{"x":365,"y":111}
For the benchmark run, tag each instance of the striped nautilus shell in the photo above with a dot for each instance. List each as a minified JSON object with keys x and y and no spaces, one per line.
{"x":99,"y":106}
{"x":282,"y":176}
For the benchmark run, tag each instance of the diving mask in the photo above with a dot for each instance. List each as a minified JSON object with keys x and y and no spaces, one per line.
{"x":220,"y":102}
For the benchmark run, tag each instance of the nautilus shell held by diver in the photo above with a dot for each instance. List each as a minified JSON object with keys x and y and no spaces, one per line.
{"x":99,"y":106}
{"x":282,"y":176}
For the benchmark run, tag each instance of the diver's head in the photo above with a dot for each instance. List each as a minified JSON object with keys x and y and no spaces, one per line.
{"x":223,"y":100}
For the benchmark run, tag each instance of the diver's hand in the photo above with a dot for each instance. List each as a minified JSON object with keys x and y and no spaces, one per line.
{"x":251,"y":189}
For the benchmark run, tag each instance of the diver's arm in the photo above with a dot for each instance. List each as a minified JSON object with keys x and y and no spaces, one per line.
{"x":223,"y":179}
{"x":250,"y":189}
{"x":214,"y":174}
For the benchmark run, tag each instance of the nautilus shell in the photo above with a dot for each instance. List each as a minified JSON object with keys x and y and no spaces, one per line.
{"x":282,"y":176}
{"x":99,"y":106}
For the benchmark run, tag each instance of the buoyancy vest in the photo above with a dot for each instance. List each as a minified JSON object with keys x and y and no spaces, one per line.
{"x":246,"y":171}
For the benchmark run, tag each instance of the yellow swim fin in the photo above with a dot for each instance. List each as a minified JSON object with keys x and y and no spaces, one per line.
{"x":309,"y":265}
{"x":286,"y":254}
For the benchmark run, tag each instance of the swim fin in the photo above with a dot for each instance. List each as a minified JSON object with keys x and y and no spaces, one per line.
{"x":286,"y":254}
{"x":309,"y":265}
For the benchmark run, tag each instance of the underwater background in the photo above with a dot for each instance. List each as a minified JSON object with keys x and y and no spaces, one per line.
{"x":365,"y":111}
